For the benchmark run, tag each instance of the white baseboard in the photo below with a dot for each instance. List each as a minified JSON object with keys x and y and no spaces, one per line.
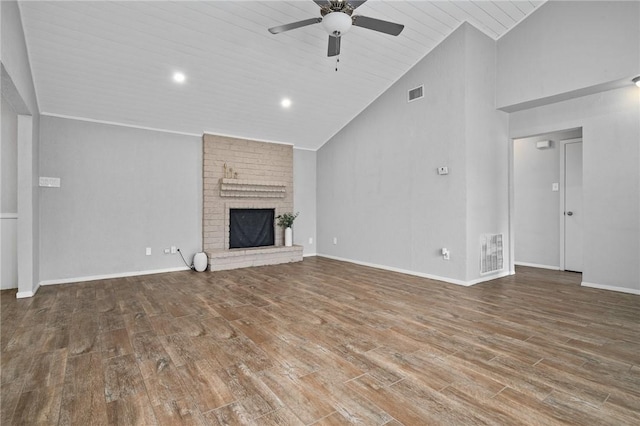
{"x":537,"y":265}
{"x":26,"y":294}
{"x":310,"y":254}
{"x":611,"y":287}
{"x":110,"y":276}
{"x":420,"y":274}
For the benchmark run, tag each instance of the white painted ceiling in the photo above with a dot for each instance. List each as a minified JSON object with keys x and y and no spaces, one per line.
{"x":113,"y":61}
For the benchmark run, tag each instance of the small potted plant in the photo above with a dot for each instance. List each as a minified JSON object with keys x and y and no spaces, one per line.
{"x":285,"y":220}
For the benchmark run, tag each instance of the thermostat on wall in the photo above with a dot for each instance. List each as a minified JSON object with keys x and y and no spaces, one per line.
{"x":543,"y":144}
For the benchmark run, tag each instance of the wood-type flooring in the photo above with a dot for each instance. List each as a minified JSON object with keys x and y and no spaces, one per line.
{"x":320,"y":342}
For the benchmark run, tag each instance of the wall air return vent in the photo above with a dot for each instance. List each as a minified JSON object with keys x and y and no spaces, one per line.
{"x":415,"y":94}
{"x":491,"y":254}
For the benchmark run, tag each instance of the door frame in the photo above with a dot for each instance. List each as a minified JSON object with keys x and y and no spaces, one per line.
{"x":563,"y":144}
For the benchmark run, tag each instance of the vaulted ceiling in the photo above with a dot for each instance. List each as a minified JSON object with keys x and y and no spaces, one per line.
{"x":113,"y":61}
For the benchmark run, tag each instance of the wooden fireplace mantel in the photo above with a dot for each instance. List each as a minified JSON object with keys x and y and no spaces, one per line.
{"x":240,"y":188}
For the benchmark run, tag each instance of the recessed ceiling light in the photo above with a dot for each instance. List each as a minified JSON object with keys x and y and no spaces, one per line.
{"x":179,"y":77}
{"x":286,"y":103}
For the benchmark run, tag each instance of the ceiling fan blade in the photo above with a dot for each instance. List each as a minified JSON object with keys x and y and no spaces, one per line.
{"x":386,"y":27}
{"x":294,"y":25}
{"x":321,"y":3}
{"x":334,"y":46}
{"x":356,"y":4}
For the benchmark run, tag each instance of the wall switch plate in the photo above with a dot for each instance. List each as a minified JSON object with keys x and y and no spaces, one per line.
{"x":49,"y":182}
{"x":174,"y":249}
{"x":445,"y":254}
{"x":443,"y":170}
{"x":167,"y":251}
{"x":335,"y":240}
{"x":148,"y":251}
{"x":310,"y":240}
{"x":555,"y":187}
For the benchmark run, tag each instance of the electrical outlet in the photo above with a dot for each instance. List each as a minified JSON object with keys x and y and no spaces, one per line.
{"x":167,"y":251}
{"x":443,"y":170}
{"x":148,"y":251}
{"x":310,"y":240}
{"x":335,"y":240}
{"x":445,"y":253}
{"x":174,"y":249}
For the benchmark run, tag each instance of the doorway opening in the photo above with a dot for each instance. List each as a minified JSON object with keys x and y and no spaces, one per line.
{"x":546,"y":201}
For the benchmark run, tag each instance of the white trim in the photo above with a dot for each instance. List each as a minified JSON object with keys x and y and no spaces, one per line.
{"x":305,"y":149}
{"x":247,"y":138}
{"x":611,"y":288}
{"x":418,"y":274}
{"x":8,"y":215}
{"x":537,"y":265}
{"x":309,"y":255}
{"x":562,"y":183}
{"x":110,"y":276}
{"x":115,"y":123}
{"x":26,"y":294}
{"x":488,"y":278}
{"x":175,"y":132}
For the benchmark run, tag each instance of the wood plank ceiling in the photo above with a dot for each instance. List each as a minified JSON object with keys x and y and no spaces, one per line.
{"x":113,"y":61}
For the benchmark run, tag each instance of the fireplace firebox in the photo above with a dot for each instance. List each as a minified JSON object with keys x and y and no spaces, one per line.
{"x":251,"y":228}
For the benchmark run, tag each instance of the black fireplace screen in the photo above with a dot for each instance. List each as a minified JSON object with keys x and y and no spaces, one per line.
{"x":251,"y":228}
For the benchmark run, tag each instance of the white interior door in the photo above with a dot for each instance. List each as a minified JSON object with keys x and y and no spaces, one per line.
{"x":573,"y":213}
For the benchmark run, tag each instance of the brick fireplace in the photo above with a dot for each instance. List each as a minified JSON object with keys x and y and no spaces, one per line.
{"x":244,"y":174}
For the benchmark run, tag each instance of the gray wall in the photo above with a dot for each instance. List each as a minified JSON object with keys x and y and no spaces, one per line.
{"x":378,"y":190}
{"x":122,"y":190}
{"x":17,"y":85}
{"x":610,"y":123}
{"x":573,"y":47}
{"x":537,"y":207}
{"x":304,"y":199}
{"x":9,"y":197}
{"x":487,"y":164}
{"x":567,"y":46}
{"x":9,"y":159}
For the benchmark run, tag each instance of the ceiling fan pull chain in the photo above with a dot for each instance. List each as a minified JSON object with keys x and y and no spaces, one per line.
{"x":337,"y":61}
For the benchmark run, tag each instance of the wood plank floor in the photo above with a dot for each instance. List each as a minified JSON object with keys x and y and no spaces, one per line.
{"x":320,"y":342}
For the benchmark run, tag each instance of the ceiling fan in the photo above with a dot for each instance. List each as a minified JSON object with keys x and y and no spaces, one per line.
{"x":337,"y":18}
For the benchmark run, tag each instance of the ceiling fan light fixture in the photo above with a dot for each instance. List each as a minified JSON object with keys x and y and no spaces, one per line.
{"x":336,"y":23}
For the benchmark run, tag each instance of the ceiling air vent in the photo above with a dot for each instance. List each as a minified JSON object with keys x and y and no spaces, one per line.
{"x":416,"y":93}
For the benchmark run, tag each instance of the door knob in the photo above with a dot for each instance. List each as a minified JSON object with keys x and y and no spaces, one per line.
{"x":569,"y":213}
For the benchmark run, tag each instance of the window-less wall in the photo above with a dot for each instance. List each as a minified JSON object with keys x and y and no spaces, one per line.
{"x":611,"y":179}
{"x":9,"y":196}
{"x":17,"y":85}
{"x":380,"y":199}
{"x":122,"y":190}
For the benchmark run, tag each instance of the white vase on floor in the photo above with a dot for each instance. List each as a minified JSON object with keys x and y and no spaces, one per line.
{"x":288,"y":237}
{"x":200,"y":262}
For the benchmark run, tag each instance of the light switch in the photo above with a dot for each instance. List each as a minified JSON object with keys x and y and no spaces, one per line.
{"x":554,"y":186}
{"x":443,"y":170}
